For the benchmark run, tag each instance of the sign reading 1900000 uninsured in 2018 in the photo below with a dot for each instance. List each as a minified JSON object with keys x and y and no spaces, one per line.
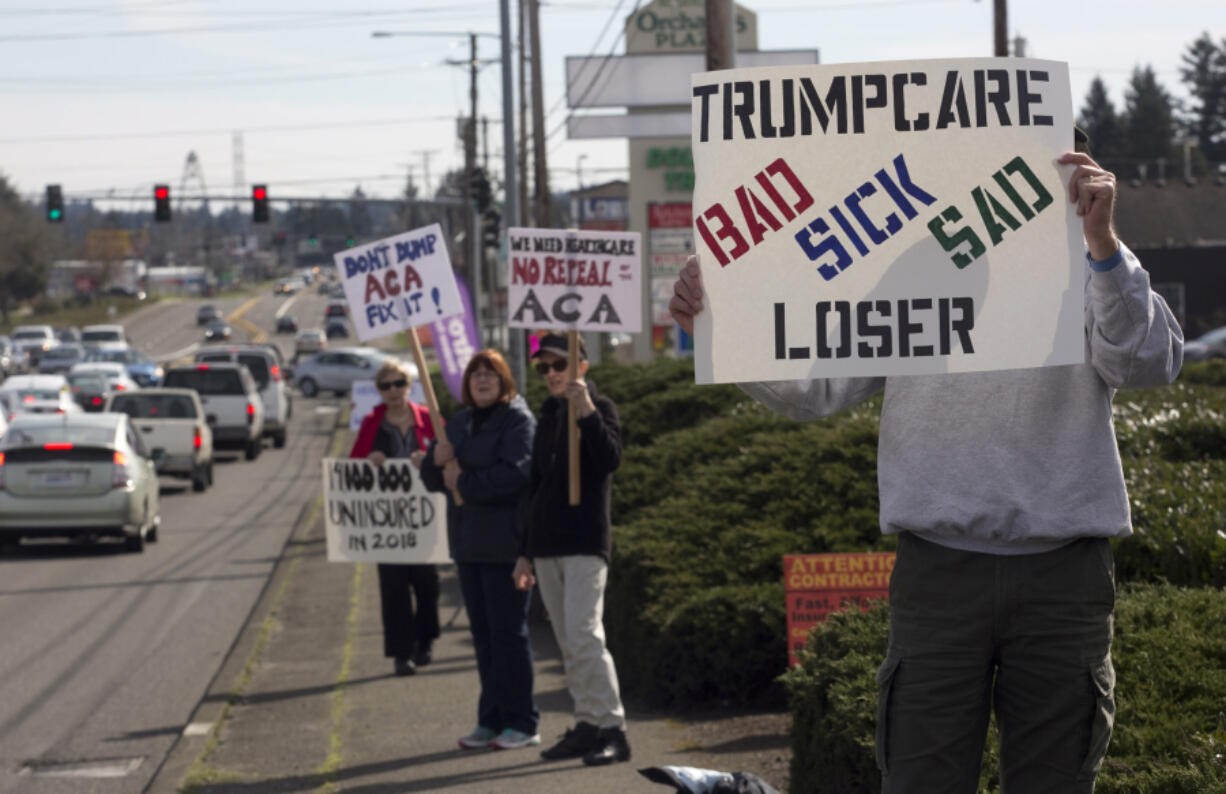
{"x":897,"y":218}
{"x":399,"y":282}
{"x":575,"y":280}
{"x":381,"y":513}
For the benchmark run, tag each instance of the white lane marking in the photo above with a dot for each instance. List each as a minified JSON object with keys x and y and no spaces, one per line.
{"x":326,"y":409}
{"x":285,"y":306}
{"x":109,"y":767}
{"x":184,"y":353}
{"x":198,"y":729}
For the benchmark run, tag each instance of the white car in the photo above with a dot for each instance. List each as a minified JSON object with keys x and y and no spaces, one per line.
{"x":231,"y":400}
{"x":265,"y":367}
{"x":37,"y":394}
{"x":172,"y":426}
{"x":94,"y":335}
{"x":117,"y":377}
{"x":31,"y":341}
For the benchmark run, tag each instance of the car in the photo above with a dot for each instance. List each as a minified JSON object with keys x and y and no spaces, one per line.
{"x":1206,"y":346}
{"x":312,"y":340}
{"x":172,"y":424}
{"x":231,"y":400}
{"x":287,"y":286}
{"x":8,"y":362}
{"x":286,"y":324}
{"x":336,"y":328}
{"x":96,"y":335}
{"x":116,"y":374}
{"x":142,"y":369}
{"x":324,"y":288}
{"x":336,"y":308}
{"x":31,"y":341}
{"x":335,"y":370}
{"x":265,"y":367}
{"x":82,"y":475}
{"x":68,"y":334}
{"x":207,"y":314}
{"x":218,"y":331}
{"x":37,"y":394}
{"x":89,"y":390}
{"x":61,"y":358}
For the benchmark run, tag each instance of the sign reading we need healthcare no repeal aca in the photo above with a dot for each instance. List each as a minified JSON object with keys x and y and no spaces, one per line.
{"x":571,"y":280}
{"x":894,"y":218}
{"x":399,"y":282}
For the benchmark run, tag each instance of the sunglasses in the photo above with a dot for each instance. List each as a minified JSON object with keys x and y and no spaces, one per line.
{"x":557,"y":366}
{"x":393,"y":384}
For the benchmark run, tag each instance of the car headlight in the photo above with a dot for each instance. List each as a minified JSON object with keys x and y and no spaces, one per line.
{"x":159,"y":373}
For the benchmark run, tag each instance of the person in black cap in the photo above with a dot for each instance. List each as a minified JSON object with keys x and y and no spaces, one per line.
{"x":565,"y":549}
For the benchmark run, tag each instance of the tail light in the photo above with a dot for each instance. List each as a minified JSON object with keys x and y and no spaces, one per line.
{"x":122,"y":476}
{"x":250,"y":413}
{"x":120,"y":387}
{"x":1,"y":471}
{"x":202,"y":367}
{"x":96,"y":401}
{"x":196,"y":438}
{"x":57,"y":447}
{"x":276,"y":373}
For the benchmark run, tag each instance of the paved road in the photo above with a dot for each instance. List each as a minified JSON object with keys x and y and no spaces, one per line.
{"x":106,"y":653}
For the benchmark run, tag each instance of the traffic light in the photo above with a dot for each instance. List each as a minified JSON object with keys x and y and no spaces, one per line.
{"x":479,"y":188}
{"x":55,"y":204}
{"x":259,"y":203}
{"x":491,"y":228}
{"x":161,"y":203}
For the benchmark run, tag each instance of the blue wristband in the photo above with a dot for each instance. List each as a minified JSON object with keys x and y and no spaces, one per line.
{"x":1107,"y":264}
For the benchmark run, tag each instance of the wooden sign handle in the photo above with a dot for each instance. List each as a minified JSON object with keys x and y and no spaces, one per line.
{"x":572,"y":372}
{"x":423,"y":374}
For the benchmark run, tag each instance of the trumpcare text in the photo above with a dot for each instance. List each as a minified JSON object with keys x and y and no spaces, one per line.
{"x":872,"y":212}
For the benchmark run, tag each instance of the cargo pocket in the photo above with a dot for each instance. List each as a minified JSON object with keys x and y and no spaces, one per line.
{"x":1102,"y":678}
{"x":885,"y":684}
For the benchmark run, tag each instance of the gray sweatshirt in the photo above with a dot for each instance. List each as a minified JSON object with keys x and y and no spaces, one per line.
{"x":1013,"y":461}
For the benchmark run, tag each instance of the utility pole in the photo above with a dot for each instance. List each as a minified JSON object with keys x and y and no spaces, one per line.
{"x":425,"y":169}
{"x":1000,"y":17}
{"x":721,"y":34}
{"x":541,"y":182}
{"x":523,"y":111}
{"x":510,"y":180}
{"x":470,"y":163}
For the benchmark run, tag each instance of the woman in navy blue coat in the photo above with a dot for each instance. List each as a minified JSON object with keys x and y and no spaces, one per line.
{"x":487,"y":459}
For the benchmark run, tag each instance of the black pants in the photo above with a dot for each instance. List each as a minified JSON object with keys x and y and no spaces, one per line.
{"x":404,"y":630}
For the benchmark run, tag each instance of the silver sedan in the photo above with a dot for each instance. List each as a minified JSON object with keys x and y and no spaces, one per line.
{"x":336,"y":369}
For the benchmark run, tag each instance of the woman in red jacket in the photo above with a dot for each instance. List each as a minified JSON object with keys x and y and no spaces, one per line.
{"x":401,"y":429}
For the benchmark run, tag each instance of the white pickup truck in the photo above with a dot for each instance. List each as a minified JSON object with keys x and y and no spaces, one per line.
{"x":172,"y":424}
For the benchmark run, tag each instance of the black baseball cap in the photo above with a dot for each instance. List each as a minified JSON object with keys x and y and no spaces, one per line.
{"x":556,"y":344}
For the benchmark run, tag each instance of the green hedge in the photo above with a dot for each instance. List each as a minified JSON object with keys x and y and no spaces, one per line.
{"x":1170,"y":660}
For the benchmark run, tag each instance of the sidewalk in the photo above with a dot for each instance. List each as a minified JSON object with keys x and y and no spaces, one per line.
{"x":305,"y":701}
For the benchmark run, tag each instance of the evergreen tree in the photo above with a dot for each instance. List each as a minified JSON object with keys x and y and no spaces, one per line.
{"x":1149,"y":113}
{"x":1204,"y":72}
{"x":1100,"y":121}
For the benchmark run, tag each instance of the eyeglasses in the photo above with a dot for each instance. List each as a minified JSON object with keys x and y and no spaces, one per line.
{"x":393,"y":384}
{"x":557,"y":366}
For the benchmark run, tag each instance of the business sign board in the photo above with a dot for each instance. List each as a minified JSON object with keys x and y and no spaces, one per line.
{"x":818,"y":584}
{"x":382,"y":513}
{"x":572,"y":280}
{"x":897,"y":218}
{"x":399,"y":282}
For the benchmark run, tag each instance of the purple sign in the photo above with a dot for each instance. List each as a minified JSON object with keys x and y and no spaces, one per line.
{"x":455,"y":341}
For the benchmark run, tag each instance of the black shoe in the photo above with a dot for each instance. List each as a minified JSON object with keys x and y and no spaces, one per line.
{"x":610,"y":747}
{"x":423,"y":657}
{"x":405,"y":666}
{"x":577,"y":743}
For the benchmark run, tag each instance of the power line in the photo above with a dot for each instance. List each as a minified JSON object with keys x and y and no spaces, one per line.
{"x":227,"y":130}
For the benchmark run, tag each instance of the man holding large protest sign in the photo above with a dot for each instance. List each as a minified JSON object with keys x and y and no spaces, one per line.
{"x":997,"y":464}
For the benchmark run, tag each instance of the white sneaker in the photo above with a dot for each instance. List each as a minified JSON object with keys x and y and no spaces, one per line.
{"x":513,"y":740}
{"x":479,"y":738}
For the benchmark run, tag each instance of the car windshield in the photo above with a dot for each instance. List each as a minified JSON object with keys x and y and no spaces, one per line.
{"x":100,"y":336}
{"x":56,"y":434}
{"x":29,"y":335}
{"x":155,"y":406}
{"x":87,"y":383}
{"x":117,"y":356}
{"x":206,"y":381}
{"x":35,"y":395}
{"x":62,"y":352}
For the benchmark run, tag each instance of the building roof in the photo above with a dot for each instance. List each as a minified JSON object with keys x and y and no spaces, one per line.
{"x":1174,"y":213}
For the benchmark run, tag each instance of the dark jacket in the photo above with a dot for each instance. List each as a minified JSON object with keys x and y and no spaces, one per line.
{"x":553,"y":528}
{"x":495,"y":463}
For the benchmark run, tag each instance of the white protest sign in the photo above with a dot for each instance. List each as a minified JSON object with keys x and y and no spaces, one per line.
{"x":876,"y":219}
{"x":575,"y":280}
{"x":382,"y":513}
{"x":364,"y":396}
{"x":399,"y":282}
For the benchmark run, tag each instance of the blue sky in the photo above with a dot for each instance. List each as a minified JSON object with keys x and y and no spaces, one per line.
{"x":111,"y":95}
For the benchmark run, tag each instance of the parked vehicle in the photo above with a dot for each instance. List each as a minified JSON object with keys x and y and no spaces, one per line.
{"x":80,"y":475}
{"x":286,"y":324}
{"x":172,"y":425}
{"x":207,"y":314}
{"x":142,"y":369}
{"x":265,"y":368}
{"x":32,"y":341}
{"x":335,"y":370}
{"x":217,"y":331}
{"x":231,"y":400}
{"x":102,"y":334}
{"x":1206,"y":346}
{"x":38,"y":394}
{"x":61,"y":358}
{"x":89,"y":390}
